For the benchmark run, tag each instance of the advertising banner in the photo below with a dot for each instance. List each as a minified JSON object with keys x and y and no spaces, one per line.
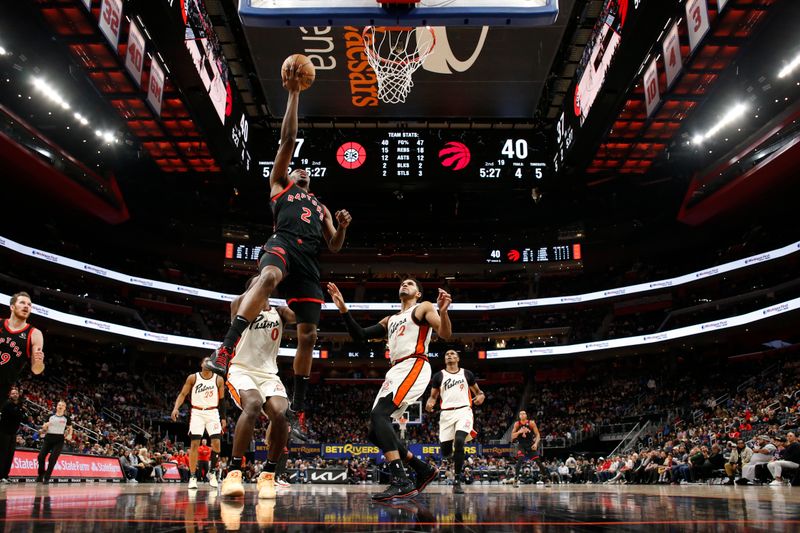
{"x":69,"y":466}
{"x":295,"y":448}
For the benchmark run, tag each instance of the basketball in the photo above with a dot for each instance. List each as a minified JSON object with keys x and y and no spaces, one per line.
{"x":303,"y":64}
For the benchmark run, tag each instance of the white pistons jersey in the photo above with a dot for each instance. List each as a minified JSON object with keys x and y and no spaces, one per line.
{"x":205,"y":394}
{"x":454,"y":388}
{"x":406,"y":336}
{"x":257,"y":350}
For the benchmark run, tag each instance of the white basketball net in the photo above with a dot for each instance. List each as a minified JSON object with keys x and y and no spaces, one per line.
{"x":395,"y":54}
{"x":403,"y":423}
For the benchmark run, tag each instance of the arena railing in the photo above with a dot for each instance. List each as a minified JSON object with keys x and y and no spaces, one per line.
{"x":384,"y":306}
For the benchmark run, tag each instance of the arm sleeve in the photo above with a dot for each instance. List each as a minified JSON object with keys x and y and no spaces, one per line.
{"x":470,"y":377}
{"x":361,"y":334}
{"x":436,"y":382}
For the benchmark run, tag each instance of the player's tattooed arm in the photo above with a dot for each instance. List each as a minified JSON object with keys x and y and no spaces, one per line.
{"x":37,"y":357}
{"x":287,"y":315}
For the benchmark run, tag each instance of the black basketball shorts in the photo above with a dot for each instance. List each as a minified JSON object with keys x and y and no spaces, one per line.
{"x":300,"y":286}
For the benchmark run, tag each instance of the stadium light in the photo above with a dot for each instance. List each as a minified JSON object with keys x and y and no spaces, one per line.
{"x":734,"y":113}
{"x":50,"y":92}
{"x":3,"y":51}
{"x":793,"y":64}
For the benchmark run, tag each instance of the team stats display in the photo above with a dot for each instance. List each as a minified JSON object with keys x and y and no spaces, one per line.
{"x":399,"y":155}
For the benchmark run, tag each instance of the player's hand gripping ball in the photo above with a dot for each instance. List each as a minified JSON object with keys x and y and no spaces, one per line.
{"x":297,"y":73}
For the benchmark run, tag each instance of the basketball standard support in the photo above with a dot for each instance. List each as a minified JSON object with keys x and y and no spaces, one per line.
{"x":320,"y":13}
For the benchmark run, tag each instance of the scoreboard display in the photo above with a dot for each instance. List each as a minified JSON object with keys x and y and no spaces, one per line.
{"x":540,"y":254}
{"x":401,"y":155}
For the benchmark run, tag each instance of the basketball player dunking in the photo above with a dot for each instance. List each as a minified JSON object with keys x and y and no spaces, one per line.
{"x":526,"y":433}
{"x":208,"y":399}
{"x":409,"y":333}
{"x":455,"y":387}
{"x":254,"y":384}
{"x":19,"y":343}
{"x":291,"y":258}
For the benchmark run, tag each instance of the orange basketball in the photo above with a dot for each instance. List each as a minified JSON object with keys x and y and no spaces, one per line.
{"x":304,"y":66}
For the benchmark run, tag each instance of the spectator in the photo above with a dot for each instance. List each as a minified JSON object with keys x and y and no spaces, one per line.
{"x":789,"y":459}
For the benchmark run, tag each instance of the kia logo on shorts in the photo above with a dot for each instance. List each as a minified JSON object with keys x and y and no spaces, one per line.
{"x":454,"y":155}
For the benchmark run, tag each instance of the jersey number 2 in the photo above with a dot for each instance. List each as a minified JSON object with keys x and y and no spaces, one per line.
{"x":306,"y":216}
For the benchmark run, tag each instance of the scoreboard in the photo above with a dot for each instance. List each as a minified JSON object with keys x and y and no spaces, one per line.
{"x":535,"y":254}
{"x":391,"y":156}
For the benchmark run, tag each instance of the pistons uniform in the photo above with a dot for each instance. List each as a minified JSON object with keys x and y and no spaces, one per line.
{"x":255,"y":364}
{"x":410,"y":374}
{"x":294,"y":249}
{"x":455,"y":402}
{"x":15,"y":353}
{"x":205,"y":403}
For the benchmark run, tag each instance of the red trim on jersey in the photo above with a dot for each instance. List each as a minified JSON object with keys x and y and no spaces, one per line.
{"x":28,"y":344}
{"x":8,"y":328}
{"x":423,"y":334}
{"x":280,"y":256}
{"x":413,"y":355}
{"x":283,"y":191}
{"x":234,"y":394}
{"x":314,"y":300}
{"x":408,"y":382}
{"x":205,"y":408}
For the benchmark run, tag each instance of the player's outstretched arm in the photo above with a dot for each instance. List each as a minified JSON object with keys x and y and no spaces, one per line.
{"x":378,"y":331}
{"x":335,"y":236}
{"x":440,"y":321}
{"x":279,"y":178}
{"x":37,"y":355}
{"x":187,"y":387}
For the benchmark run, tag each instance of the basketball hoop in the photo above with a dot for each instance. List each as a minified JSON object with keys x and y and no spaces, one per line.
{"x":395,"y":53}
{"x":403,"y":423}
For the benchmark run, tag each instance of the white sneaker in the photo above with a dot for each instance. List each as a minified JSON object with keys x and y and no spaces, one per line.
{"x":266,"y":486}
{"x":776,"y":483}
{"x":192,"y":482}
{"x":281,"y":484}
{"x":212,"y":479}
{"x":232,"y":484}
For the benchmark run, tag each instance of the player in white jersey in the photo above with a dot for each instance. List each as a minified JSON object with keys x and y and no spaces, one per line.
{"x":408,"y":333}
{"x":207,"y":396}
{"x":254,"y":385}
{"x":456,"y":390}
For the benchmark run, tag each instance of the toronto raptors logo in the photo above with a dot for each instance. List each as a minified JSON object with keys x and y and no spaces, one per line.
{"x":351,"y":155}
{"x":455,"y":155}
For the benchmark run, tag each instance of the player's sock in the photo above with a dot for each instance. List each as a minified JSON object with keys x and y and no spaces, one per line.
{"x":458,"y":459}
{"x":299,"y":398}
{"x":237,"y":463}
{"x":270,"y":467}
{"x":397,"y":470}
{"x":238,"y":325}
{"x":417,"y":464}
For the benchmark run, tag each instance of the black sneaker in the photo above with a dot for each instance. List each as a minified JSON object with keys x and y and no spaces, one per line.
{"x":220,"y":359}
{"x":399,"y":488}
{"x":295,"y":433}
{"x":424,"y":477}
{"x":457,"y":488}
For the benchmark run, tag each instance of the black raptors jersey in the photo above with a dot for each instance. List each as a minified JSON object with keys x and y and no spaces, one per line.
{"x":524,"y":442}
{"x":299,"y":215}
{"x":15,"y":351}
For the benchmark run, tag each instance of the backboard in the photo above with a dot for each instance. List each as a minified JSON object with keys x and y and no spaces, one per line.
{"x":296,"y":13}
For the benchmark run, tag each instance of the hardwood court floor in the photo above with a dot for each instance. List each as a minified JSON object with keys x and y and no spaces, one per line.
{"x":171,"y":507}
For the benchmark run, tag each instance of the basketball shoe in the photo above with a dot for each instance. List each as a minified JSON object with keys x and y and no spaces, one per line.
{"x":266,"y":486}
{"x":398,"y":488}
{"x":220,"y":358}
{"x":232,"y":484}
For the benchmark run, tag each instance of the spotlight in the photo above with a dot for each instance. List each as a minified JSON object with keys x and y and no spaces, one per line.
{"x":734,"y":113}
{"x":793,"y":64}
